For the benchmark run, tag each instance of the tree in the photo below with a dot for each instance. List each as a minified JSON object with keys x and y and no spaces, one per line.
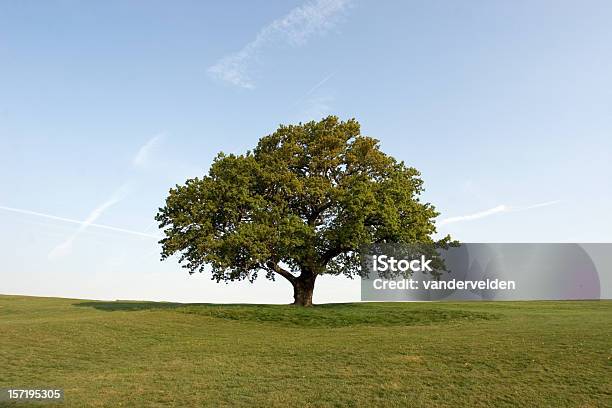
{"x":299,"y":205}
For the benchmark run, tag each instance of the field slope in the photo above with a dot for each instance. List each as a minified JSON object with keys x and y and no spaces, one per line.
{"x":479,"y":354}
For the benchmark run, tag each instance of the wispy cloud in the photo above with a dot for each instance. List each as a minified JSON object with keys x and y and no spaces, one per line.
{"x":79,"y":222}
{"x":143,"y":156}
{"x":313,"y":18}
{"x":500,"y":209}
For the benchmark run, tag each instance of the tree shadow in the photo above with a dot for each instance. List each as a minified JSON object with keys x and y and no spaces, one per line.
{"x":329,"y":315}
{"x":130,"y":306}
{"x":133,"y":306}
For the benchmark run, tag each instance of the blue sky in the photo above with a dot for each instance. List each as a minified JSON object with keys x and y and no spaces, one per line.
{"x":505,"y":108}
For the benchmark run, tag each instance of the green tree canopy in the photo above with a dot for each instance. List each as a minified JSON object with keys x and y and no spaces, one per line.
{"x":299,"y":205}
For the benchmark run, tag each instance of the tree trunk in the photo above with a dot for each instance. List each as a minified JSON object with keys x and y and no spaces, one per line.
{"x":302,"y":290}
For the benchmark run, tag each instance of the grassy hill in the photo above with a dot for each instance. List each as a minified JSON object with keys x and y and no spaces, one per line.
{"x":478,"y":354}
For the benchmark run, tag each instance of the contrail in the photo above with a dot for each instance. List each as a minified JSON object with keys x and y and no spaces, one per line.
{"x":65,"y":247}
{"x":140,"y":160}
{"x":319,"y":84}
{"x":546,"y":204}
{"x":495,"y":210}
{"x":56,"y":218}
{"x":314,"y":88}
{"x":482,"y":214}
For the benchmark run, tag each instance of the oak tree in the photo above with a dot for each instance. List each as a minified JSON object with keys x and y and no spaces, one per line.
{"x":299,"y":205}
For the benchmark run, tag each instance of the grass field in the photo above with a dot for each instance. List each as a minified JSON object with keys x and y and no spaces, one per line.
{"x":478,"y":354}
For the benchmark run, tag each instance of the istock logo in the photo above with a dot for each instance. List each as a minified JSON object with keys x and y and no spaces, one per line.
{"x":383,"y":263}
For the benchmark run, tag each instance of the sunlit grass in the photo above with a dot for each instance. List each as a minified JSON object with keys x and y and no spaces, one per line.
{"x":373,"y":354}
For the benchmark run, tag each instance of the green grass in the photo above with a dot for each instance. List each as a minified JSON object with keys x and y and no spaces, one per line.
{"x":477,"y":354}
{"x":331,"y":315}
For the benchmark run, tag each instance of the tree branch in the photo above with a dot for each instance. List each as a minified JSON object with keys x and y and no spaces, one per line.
{"x":282,"y":272}
{"x":332,"y":253}
{"x":316,"y":213}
